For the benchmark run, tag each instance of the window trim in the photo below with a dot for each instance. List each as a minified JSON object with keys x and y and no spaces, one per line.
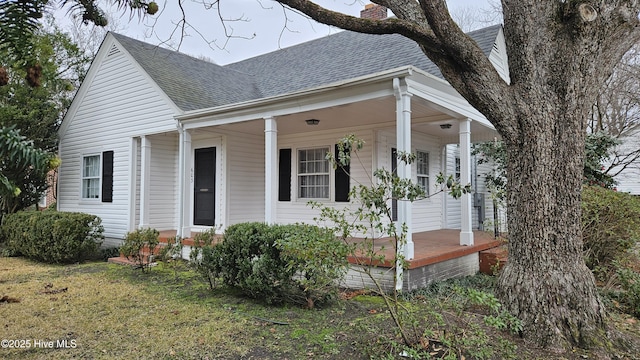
{"x":298,"y":175}
{"x":427,"y":175}
{"x":83,"y":177}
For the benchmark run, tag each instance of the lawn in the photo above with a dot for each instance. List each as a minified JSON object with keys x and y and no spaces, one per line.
{"x":104,"y":311}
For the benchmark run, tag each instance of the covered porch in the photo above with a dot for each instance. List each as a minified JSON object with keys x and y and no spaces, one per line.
{"x":438,"y":256}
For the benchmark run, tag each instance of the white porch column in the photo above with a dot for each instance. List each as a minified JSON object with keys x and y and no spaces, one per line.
{"x":184,"y":185}
{"x":270,"y":169}
{"x":403,"y":139}
{"x":145,"y":181}
{"x":133,"y":173}
{"x":466,"y":233}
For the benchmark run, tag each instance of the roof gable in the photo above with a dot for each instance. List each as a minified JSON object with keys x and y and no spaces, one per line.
{"x":189,"y":82}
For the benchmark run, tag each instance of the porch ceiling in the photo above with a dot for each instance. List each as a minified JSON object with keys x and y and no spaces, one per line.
{"x":379,"y":112}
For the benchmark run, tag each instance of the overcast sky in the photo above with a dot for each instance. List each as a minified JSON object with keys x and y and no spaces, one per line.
{"x":264,"y":26}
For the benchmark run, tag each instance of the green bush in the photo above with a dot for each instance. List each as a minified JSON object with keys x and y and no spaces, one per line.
{"x":51,"y":236}
{"x":629,"y":296}
{"x":610,"y":226}
{"x":203,"y":258}
{"x":140,"y":245}
{"x":272,"y":263}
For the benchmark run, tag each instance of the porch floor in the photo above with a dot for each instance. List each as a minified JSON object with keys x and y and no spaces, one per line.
{"x":435,"y":246}
{"x":430,"y":247}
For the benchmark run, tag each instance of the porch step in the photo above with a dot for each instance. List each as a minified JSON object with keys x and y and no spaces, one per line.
{"x":493,"y":260}
{"x":164,"y":240}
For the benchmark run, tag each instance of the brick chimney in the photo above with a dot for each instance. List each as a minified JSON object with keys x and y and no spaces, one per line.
{"x":374,"y":12}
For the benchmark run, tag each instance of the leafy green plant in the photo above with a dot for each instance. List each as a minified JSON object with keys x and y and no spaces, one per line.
{"x":202,"y":257}
{"x":460,"y":310}
{"x":270,"y":262}
{"x":629,"y":293}
{"x":140,"y":247}
{"x":51,"y":236}
{"x":610,"y":227}
{"x":372,"y":217}
{"x":318,"y":260}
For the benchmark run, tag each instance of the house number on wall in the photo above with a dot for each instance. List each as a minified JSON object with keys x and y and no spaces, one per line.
{"x":192,"y":175}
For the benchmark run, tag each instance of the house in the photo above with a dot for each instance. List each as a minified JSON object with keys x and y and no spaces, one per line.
{"x":156,"y":138}
{"x":628,"y":176}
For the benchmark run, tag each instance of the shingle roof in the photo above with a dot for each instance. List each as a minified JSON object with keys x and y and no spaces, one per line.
{"x":195,"y":84}
{"x":191,"y":83}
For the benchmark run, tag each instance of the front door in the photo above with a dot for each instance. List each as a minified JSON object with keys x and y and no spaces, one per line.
{"x":204,"y":198}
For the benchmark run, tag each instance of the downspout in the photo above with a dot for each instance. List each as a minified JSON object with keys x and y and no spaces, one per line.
{"x":180,"y":177}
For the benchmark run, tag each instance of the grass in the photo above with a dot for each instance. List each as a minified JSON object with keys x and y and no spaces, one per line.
{"x":113,"y":312}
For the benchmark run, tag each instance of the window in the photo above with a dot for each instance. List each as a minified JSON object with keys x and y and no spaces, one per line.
{"x":422,"y":162}
{"x":91,"y":177}
{"x":96,"y":183}
{"x":313,"y":173}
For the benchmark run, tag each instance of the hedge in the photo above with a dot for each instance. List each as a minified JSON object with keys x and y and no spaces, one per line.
{"x":52,"y":236}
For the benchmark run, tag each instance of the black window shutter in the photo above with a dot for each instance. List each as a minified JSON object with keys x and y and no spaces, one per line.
{"x":394,"y":169}
{"x":107,"y":176}
{"x":342,"y":180}
{"x":284,"y":175}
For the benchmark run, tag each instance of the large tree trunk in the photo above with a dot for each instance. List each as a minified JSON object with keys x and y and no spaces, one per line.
{"x":560,"y":54}
{"x":545,"y":282}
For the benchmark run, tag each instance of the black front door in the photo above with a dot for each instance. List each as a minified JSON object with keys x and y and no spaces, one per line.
{"x":204,"y":198}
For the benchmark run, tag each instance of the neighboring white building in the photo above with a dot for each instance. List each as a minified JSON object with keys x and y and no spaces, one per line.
{"x":629,"y":178}
{"x":155,"y":138}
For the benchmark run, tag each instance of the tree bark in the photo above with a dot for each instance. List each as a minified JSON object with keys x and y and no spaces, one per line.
{"x":545,"y":282}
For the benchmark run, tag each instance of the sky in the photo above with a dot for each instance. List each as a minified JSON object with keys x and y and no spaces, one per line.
{"x":252,"y":27}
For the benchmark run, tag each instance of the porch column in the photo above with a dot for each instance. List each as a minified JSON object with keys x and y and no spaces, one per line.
{"x":466,"y":233}
{"x":403,"y":139}
{"x":133,"y":170}
{"x":270,"y":169}
{"x":145,"y":180}
{"x":184,"y":184}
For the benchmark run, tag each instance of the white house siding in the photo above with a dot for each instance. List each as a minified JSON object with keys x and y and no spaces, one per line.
{"x":245,"y":161}
{"x":119,"y":103}
{"x":163,"y":191}
{"x":498,"y":57}
{"x":629,"y":179}
{"x":452,"y":205}
{"x":297,"y":210}
{"x":427,"y":213}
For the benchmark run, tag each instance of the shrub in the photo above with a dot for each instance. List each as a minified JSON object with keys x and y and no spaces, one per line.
{"x":610,"y":226}
{"x":140,"y":245}
{"x":630,"y":294}
{"x":202,"y":256}
{"x":270,"y":263}
{"x":51,"y":236}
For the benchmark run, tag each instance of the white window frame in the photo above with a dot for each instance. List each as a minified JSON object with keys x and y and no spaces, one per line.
{"x":424,"y":176}
{"x":300,"y":175}
{"x":84,"y":177}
